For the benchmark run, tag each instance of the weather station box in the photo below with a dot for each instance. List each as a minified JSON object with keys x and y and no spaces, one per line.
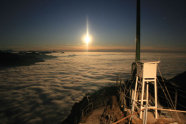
{"x":147,"y":69}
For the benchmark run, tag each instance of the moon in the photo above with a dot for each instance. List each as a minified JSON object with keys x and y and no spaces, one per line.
{"x":87,"y":38}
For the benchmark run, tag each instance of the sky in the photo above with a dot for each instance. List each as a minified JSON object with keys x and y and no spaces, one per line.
{"x":60,"y":24}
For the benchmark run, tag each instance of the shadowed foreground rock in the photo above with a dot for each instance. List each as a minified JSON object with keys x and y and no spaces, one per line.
{"x":107,"y":98}
{"x":112,"y":112}
{"x":98,"y":99}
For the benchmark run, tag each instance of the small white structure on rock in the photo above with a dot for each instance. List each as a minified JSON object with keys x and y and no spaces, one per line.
{"x":146,"y":73}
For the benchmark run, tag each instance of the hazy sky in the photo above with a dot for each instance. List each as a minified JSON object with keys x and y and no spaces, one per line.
{"x":60,"y":24}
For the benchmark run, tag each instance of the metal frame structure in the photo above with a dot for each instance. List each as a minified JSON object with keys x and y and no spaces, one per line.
{"x":146,"y":73}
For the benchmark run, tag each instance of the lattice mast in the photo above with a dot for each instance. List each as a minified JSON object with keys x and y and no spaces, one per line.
{"x":138,"y":31}
{"x":144,"y":73}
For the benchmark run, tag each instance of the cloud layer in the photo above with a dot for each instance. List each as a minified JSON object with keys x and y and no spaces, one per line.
{"x":46,"y":91}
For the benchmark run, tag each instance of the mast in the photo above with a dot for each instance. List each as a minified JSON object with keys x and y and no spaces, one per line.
{"x":138,"y":32}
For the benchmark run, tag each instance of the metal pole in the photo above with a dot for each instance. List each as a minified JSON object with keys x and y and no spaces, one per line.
{"x":142,"y":95}
{"x":138,"y":32}
{"x":176,"y":97}
{"x":156,"y":99}
{"x":134,"y":97}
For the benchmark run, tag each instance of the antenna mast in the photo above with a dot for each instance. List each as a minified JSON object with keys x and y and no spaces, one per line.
{"x":138,"y":32}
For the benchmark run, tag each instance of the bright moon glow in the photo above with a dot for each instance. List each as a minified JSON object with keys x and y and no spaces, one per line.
{"x":87,"y":38}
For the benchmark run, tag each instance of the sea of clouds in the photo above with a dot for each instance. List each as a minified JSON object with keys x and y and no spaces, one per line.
{"x":46,"y":91}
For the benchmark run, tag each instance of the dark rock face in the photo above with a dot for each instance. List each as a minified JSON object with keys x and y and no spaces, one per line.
{"x":180,"y":81}
{"x":179,"y":84}
{"x":112,"y":112}
{"x":76,"y":113}
{"x":176,"y":91}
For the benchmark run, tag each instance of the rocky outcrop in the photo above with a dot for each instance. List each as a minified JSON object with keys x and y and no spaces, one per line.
{"x":112,"y":112}
{"x":81,"y":110}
